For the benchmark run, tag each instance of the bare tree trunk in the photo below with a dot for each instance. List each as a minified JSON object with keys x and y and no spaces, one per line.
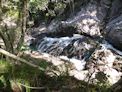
{"x":24,"y":22}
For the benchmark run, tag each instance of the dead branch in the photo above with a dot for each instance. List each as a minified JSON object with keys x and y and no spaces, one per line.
{"x":20,"y":59}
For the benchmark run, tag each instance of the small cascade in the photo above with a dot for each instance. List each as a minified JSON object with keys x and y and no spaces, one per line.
{"x":72,"y":47}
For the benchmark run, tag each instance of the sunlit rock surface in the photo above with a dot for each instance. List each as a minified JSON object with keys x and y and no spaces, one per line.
{"x":102,"y":57}
{"x":88,"y":20}
{"x":102,"y":62}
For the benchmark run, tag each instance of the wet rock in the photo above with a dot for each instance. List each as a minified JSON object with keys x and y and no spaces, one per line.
{"x":116,"y":9}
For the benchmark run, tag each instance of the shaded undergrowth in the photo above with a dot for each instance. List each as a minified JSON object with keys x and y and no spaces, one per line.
{"x":23,"y":78}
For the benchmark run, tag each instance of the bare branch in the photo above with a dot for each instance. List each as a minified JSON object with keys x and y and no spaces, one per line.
{"x":20,"y":59}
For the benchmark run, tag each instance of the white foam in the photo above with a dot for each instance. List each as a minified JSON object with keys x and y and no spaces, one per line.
{"x":79,"y":64}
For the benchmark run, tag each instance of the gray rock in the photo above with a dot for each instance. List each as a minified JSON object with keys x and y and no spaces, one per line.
{"x":101,"y":63}
{"x":114,"y":26}
{"x":114,"y":32}
{"x":87,"y":20}
{"x":90,"y":17}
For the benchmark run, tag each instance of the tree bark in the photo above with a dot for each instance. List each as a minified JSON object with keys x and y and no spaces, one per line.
{"x":24,"y":22}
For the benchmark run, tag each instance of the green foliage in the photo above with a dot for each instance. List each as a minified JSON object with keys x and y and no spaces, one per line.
{"x":24,"y":48}
{"x":35,"y":5}
{"x":2,"y":82}
{"x":10,"y":8}
{"x":44,"y":10}
{"x":20,"y":73}
{"x":5,"y":67}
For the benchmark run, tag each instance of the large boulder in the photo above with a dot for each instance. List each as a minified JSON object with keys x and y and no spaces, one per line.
{"x":114,"y":26}
{"x":89,"y":19}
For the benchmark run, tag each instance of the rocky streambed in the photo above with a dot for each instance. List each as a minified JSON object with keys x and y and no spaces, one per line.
{"x":91,"y":40}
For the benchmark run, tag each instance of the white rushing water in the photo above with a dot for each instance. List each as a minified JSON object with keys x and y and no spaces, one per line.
{"x":48,"y":44}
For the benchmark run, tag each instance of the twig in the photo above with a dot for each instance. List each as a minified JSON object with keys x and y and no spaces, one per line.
{"x":32,"y":87}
